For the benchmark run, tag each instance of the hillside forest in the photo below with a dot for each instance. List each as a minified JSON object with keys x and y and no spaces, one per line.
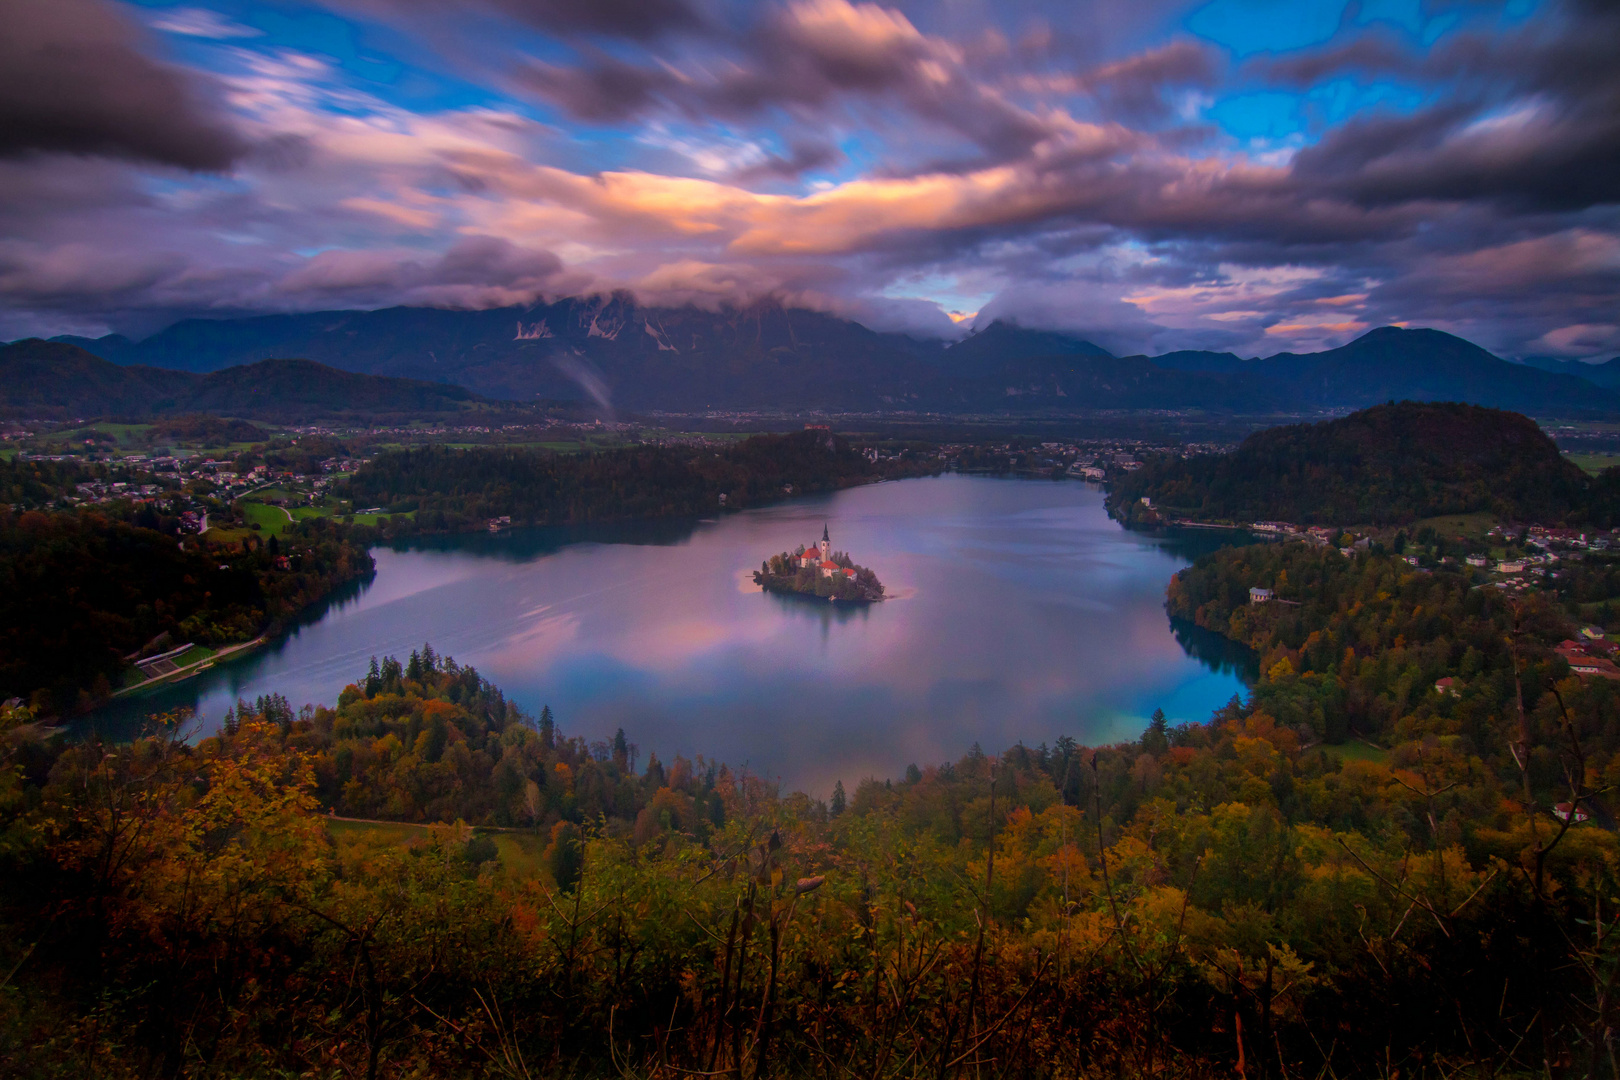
{"x":1384,"y":466}
{"x":1258,"y":895}
{"x":80,"y":591}
{"x":447,"y":489}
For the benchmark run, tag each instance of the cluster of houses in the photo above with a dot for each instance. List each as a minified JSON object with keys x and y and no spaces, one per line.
{"x":1320,"y":535}
{"x":1080,"y":459}
{"x":1589,"y":654}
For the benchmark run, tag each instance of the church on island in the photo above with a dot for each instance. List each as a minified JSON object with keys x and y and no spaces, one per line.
{"x":818,"y":556}
{"x":816,"y":570}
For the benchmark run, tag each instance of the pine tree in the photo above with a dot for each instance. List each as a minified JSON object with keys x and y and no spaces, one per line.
{"x":373,"y":680}
{"x":1156,"y":739}
{"x":548,"y":728}
{"x":838,"y":800}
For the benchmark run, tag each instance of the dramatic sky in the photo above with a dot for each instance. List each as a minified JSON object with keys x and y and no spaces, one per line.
{"x":1258,"y":175}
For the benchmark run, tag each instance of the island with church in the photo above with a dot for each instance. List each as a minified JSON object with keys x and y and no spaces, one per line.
{"x":817,"y":570}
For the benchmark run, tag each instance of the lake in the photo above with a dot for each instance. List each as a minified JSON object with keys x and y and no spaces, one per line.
{"x":1020,"y":612}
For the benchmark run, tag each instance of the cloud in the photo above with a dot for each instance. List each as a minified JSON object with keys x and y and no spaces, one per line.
{"x":202,"y":23}
{"x":74,"y":80}
{"x":636,"y":20}
{"x":810,"y":58}
{"x":1530,"y":152}
{"x":1135,"y":86}
{"x":1529,"y":118}
{"x":1580,"y":339}
{"x":875,"y":162}
{"x":804,"y":155}
{"x":476,"y":272}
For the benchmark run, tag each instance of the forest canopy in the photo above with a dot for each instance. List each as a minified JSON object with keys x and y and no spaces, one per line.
{"x":454,"y":489}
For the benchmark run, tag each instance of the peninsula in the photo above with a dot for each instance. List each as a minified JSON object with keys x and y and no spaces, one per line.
{"x":817,"y":570}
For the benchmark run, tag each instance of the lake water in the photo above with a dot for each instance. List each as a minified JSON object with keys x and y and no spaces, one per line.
{"x":1019,"y":612}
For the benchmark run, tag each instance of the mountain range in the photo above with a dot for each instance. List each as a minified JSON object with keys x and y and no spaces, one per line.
{"x":53,"y":378}
{"x":624,"y":355}
{"x":1606,"y":374}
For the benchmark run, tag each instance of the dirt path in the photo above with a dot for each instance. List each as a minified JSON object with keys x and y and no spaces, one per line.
{"x":425,"y":824}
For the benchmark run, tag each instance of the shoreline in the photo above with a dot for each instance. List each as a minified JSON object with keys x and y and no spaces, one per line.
{"x":765,"y":587}
{"x":197,"y":667}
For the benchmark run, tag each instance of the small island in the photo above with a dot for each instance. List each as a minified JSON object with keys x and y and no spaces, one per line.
{"x":817,"y":570}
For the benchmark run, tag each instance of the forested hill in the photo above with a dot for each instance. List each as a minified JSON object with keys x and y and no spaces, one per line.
{"x":1385,"y":465}
{"x":51,"y":378}
{"x":457,"y":489}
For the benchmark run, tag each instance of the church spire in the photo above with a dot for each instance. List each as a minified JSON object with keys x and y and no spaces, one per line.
{"x":824,"y":535}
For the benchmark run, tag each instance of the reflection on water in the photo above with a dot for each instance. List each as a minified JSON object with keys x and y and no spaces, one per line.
{"x":1218,"y":653}
{"x":524,"y":545}
{"x":1022,"y":613}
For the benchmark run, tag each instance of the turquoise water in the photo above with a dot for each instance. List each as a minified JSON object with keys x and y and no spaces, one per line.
{"x":1019,"y":612}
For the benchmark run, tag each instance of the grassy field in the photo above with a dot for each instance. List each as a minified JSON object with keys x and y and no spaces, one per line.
{"x":195,"y":654}
{"x":270,"y":519}
{"x":373,"y":519}
{"x":518,"y":852}
{"x":1595,"y":463}
{"x":1473,"y":526}
{"x":127,"y":435}
{"x":1354,"y":750}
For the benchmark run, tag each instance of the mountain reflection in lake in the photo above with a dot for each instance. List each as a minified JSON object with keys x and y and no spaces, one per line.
{"x":1021,"y":613}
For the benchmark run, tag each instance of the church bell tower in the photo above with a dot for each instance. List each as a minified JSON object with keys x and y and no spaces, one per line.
{"x":826,"y":544}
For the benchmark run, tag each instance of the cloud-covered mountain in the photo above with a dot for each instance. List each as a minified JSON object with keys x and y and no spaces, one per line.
{"x":626,"y":356}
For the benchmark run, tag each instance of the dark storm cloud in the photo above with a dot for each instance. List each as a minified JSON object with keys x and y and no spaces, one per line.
{"x":1537,"y":156}
{"x":624,"y":18}
{"x":73,"y":80}
{"x":1373,"y":53}
{"x":803,"y":156}
{"x":1135,"y":87}
{"x":636,"y":20}
{"x":807,"y":59}
{"x":476,"y":271}
{"x":603,"y":89}
{"x":1532,"y":118}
